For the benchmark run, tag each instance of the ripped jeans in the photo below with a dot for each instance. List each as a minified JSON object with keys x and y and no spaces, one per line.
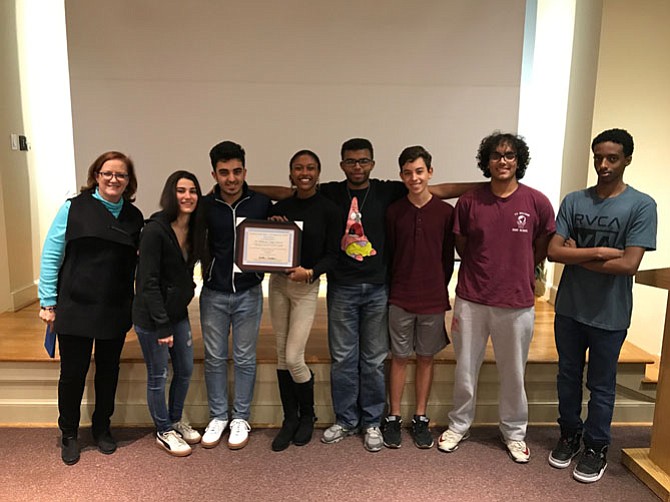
{"x":156,"y":358}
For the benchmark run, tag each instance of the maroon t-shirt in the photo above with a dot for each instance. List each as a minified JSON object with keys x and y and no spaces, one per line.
{"x":498,"y":268}
{"x":421,"y":246}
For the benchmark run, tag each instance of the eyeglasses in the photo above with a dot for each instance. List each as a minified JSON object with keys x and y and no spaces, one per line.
{"x":361,"y":162}
{"x":496,"y":156}
{"x":108,"y":175}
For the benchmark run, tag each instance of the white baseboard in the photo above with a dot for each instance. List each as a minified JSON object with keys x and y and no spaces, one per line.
{"x":23,"y":297}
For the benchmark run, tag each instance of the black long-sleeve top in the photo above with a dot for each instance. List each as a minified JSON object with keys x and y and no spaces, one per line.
{"x":164,"y":281}
{"x":322,"y":230}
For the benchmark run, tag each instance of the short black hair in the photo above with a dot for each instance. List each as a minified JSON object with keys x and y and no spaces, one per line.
{"x":493,"y":141}
{"x":225,"y":151}
{"x":305,"y":152}
{"x":412,"y":153}
{"x":619,"y":136}
{"x":357,"y":144}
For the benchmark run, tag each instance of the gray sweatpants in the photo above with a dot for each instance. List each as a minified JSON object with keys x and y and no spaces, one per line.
{"x":511,"y":331}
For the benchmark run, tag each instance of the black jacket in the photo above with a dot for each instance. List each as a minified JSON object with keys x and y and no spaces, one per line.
{"x":220,"y":217}
{"x":164,"y":282}
{"x":95,"y":281}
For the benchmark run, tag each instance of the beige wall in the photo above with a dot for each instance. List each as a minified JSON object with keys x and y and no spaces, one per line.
{"x":17,"y":271}
{"x":165,"y":81}
{"x":632,"y":93}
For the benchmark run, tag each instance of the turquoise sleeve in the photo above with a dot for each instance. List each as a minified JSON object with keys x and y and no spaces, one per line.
{"x":52,"y":258}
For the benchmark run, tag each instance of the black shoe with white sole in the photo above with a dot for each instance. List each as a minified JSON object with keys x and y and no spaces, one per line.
{"x":567,"y":448}
{"x":592,"y":465}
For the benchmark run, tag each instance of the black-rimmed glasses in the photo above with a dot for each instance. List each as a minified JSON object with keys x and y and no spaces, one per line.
{"x":496,"y":156}
{"x":361,"y":162}
{"x":108,"y":175}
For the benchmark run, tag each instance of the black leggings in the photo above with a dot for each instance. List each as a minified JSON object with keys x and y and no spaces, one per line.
{"x":75,"y":358}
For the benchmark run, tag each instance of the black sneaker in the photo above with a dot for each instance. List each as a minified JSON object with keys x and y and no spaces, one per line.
{"x":106,"y":443}
{"x":422,"y":436}
{"x":567,"y":448}
{"x":591,"y":466}
{"x":391,"y":431}
{"x":69,"y":450}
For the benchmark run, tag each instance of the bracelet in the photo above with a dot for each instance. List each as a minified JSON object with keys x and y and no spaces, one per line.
{"x":310,"y":276}
{"x":52,"y":308}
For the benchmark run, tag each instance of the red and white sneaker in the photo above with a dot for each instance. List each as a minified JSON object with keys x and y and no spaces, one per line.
{"x":518,"y":450}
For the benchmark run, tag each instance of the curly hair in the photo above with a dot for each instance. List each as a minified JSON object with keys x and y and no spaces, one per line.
{"x":94,"y":169}
{"x":490,"y":143}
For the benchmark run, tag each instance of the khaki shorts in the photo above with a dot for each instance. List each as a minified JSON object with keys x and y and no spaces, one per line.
{"x":424,"y":334}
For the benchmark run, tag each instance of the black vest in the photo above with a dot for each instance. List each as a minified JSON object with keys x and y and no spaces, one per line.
{"x":95,"y":282}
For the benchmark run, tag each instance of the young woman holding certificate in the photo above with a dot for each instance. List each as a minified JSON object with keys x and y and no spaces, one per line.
{"x":293,"y":295}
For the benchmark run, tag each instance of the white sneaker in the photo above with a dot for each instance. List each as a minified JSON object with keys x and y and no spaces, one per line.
{"x":213,"y":433}
{"x":172,"y":443}
{"x":239,"y":434}
{"x":518,"y":450}
{"x":374,"y":440}
{"x":188,"y":433}
{"x":449,"y":440}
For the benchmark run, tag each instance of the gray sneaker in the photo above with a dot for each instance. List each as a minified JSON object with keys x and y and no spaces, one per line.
{"x":336,"y":433}
{"x":374,"y":440}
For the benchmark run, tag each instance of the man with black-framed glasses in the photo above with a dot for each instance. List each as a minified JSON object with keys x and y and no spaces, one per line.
{"x":358,"y":298}
{"x":502,"y":230}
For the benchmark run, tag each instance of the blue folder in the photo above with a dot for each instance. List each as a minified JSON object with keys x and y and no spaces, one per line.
{"x":50,"y":341}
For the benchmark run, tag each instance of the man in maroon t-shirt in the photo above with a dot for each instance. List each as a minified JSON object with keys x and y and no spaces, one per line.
{"x":421,"y":246}
{"x":502,"y":231}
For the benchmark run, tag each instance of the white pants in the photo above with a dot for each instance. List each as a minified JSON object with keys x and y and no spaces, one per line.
{"x":292,"y":310}
{"x":511,"y":331}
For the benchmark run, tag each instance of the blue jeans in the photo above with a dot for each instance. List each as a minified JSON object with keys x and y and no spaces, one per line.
{"x":218,"y":312}
{"x":572,"y":340}
{"x":358,"y":341}
{"x":156,"y":359}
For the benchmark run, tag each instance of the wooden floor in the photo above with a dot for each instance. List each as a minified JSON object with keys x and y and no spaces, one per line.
{"x":22,"y":338}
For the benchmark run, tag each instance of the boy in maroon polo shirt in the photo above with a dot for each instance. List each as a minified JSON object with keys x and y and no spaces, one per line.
{"x":501,"y":231}
{"x":421,"y":244}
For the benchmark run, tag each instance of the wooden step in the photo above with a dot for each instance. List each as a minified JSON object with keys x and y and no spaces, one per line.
{"x":29,"y":378}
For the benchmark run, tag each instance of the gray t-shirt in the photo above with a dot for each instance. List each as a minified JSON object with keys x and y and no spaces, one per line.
{"x":603,"y":300}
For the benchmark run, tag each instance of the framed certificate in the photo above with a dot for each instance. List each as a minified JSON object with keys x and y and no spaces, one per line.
{"x":267,"y":246}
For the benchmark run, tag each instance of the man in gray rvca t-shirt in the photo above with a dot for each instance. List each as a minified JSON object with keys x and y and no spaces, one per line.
{"x":602,"y":233}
